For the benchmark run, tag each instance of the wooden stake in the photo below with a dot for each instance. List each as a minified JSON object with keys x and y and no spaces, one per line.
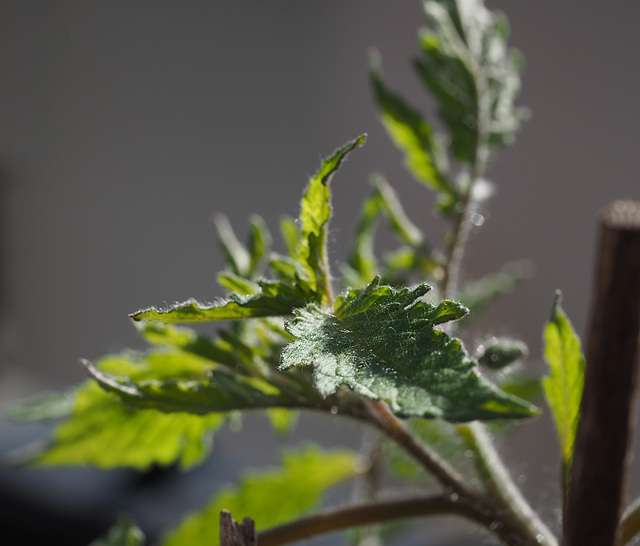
{"x":602,"y":453}
{"x":233,"y":533}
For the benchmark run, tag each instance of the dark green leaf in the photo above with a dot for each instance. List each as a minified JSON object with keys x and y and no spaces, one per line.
{"x":123,"y":533}
{"x":315,"y":212}
{"x":497,"y":353}
{"x":563,"y":387}
{"x":382,"y":343}
{"x":269,"y":498}
{"x":362,"y":265}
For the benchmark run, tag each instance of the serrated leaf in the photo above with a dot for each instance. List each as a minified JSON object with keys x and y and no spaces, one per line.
{"x":563,"y":387}
{"x":381,"y":342}
{"x":410,"y":133}
{"x":105,"y":433}
{"x":269,"y":498}
{"x":221,"y":390}
{"x":315,"y":212}
{"x":274,"y":299}
{"x":472,"y":73}
{"x":123,"y":533}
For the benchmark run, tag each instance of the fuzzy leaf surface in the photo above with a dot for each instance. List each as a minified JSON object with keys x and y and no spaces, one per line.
{"x":383,"y":344}
{"x":270,"y":498}
{"x":411,"y":134}
{"x":563,"y":386}
{"x":315,"y":212}
{"x":274,"y":299}
{"x":105,"y":433}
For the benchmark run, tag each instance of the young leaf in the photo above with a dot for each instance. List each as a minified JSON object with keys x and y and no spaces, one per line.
{"x":270,"y":498}
{"x":236,"y":255}
{"x":315,"y":212}
{"x":44,"y":407}
{"x":362,"y":265}
{"x":411,"y":133}
{"x":105,"y":433}
{"x":563,"y":387}
{"x":123,"y":533}
{"x":383,"y":344}
{"x":472,"y":73}
{"x":220,"y":391}
{"x":274,"y":299}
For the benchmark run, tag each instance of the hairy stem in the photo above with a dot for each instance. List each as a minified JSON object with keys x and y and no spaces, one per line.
{"x":507,"y":515}
{"x":498,"y":481}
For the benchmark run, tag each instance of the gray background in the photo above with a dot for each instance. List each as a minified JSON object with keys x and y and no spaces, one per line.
{"x":125,"y":125}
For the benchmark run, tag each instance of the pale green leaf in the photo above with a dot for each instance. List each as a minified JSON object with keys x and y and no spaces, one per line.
{"x":220,"y":390}
{"x":290,"y":231}
{"x":105,"y":433}
{"x":383,"y":344}
{"x":563,"y":386}
{"x":237,"y":257}
{"x":315,"y":212}
{"x":270,"y":498}
{"x":236,"y":284}
{"x":259,"y":244}
{"x":123,"y":533}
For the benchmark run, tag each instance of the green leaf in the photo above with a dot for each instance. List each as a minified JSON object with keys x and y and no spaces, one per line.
{"x":274,"y":299}
{"x":43,"y":407}
{"x":362,"y":265}
{"x":221,"y":390}
{"x":563,"y":387}
{"x":411,"y":134}
{"x":291,"y":235}
{"x":400,"y":224}
{"x":383,"y":344}
{"x":236,"y":255}
{"x":259,"y":243}
{"x":105,"y":433}
{"x":315,"y":212}
{"x":473,"y":75}
{"x":236,"y":284}
{"x":123,"y":533}
{"x":497,"y":353}
{"x":270,"y":498}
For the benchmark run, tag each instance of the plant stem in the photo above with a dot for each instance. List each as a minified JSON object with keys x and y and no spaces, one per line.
{"x":629,"y":524}
{"x":336,"y":519}
{"x":498,"y":481}
{"x":507,"y":515}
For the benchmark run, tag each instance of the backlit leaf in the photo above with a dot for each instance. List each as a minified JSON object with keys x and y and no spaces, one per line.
{"x":270,"y":498}
{"x":563,"y":386}
{"x":315,"y":212}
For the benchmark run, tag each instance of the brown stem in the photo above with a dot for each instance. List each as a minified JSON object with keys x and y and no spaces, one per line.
{"x":601,"y":454}
{"x":336,"y":519}
{"x":233,"y":533}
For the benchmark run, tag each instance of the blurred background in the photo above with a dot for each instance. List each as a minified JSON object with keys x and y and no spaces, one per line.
{"x":125,"y":125}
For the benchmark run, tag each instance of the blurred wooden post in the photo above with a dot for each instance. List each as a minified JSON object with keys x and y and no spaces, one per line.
{"x":233,"y":533}
{"x":602,"y":449}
